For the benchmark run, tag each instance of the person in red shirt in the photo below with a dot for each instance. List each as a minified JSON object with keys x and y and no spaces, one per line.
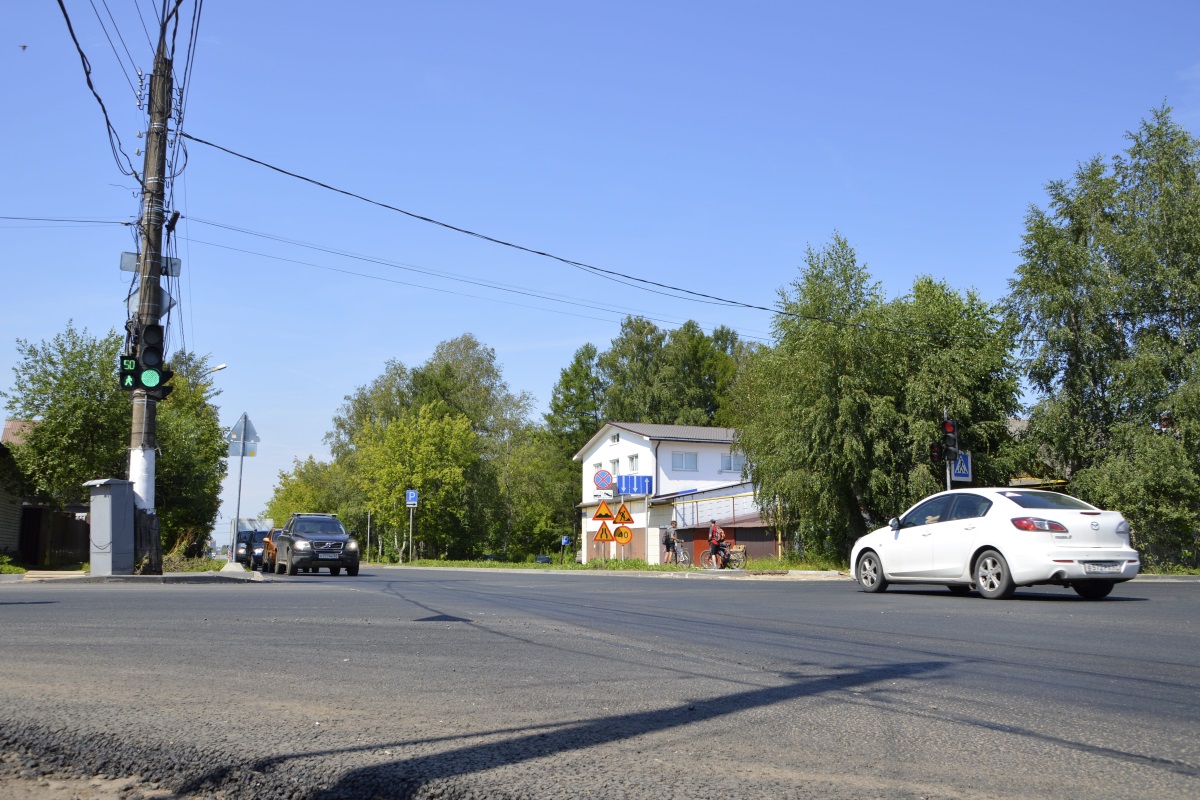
{"x":716,"y":543}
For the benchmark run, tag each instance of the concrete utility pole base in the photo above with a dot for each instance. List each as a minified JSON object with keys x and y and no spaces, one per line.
{"x":141,"y":474}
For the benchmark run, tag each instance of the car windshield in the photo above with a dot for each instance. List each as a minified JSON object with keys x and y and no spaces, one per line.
{"x":259,"y":536}
{"x":1048,"y":500}
{"x":321,"y":528}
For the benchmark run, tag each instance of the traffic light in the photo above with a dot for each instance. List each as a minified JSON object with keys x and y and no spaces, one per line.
{"x":936,"y":452}
{"x":149,"y":369}
{"x":950,"y":436}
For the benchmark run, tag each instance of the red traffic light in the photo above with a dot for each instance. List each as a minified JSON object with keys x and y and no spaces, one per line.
{"x":949,"y":426}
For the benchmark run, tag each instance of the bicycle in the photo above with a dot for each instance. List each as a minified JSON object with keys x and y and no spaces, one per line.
{"x":682,"y":557}
{"x":735,"y":560}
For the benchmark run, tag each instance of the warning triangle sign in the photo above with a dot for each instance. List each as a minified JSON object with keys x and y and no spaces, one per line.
{"x":604,"y":512}
{"x":604,"y":534}
{"x":623,"y":516}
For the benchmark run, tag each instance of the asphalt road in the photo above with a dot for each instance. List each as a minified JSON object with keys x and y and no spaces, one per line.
{"x":455,"y":683}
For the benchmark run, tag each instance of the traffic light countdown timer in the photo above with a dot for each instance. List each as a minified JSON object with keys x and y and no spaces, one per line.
{"x":145,"y":369}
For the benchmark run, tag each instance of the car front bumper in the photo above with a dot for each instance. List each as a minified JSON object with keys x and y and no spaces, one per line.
{"x":310,"y":559}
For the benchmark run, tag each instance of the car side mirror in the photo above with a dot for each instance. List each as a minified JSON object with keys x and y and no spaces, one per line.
{"x":894,"y":524}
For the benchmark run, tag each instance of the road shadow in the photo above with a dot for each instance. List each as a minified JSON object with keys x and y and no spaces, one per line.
{"x":404,"y":777}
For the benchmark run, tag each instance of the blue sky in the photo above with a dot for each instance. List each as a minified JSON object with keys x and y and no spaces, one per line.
{"x":698,"y":144}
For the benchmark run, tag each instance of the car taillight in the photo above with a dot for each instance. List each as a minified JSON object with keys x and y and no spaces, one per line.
{"x":1038,"y":524}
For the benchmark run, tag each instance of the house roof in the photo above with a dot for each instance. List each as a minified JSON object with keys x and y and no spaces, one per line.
{"x":15,"y":431}
{"x":663,"y":433}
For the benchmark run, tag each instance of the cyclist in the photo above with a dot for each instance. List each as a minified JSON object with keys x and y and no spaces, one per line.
{"x":671,"y":542}
{"x":717,"y":544}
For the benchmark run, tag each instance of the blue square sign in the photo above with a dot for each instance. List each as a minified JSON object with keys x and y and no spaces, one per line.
{"x":410,"y":498}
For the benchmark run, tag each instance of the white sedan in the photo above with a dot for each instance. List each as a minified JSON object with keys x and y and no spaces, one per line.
{"x":995,"y":540}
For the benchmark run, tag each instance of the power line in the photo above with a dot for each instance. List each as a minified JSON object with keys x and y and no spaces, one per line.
{"x":442,"y":290}
{"x":619,"y":277}
{"x":609,"y":274}
{"x":69,"y":219}
{"x":114,"y":140}
{"x":104,"y":28}
{"x":414,"y":268}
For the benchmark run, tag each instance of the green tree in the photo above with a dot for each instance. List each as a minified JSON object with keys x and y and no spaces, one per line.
{"x":1108,"y":294}
{"x":432,"y":452}
{"x":695,"y":374}
{"x":68,"y":388}
{"x":836,"y":418}
{"x":1066,"y":300}
{"x":577,"y":401}
{"x":312,"y":486}
{"x":630,"y":367}
{"x":192,"y":465}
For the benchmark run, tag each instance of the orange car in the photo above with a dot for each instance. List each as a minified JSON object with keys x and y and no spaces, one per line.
{"x":268,"y":555}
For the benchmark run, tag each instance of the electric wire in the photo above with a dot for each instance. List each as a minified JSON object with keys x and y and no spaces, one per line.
{"x":613,"y":275}
{"x":401,"y":265}
{"x":384,"y":279}
{"x":142,"y":19}
{"x":114,"y":140}
{"x":69,"y":219}
{"x":618,"y":277}
{"x":104,"y":28}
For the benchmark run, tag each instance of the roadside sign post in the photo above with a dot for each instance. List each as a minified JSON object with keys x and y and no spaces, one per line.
{"x":243,"y":441}
{"x":410,"y":500}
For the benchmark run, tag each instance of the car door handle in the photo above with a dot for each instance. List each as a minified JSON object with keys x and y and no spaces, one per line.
{"x":927,"y":533}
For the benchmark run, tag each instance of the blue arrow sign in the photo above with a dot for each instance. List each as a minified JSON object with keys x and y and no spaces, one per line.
{"x":960,"y":470}
{"x":634,"y":484}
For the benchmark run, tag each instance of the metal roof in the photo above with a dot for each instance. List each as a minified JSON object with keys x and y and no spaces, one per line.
{"x":664,"y":433}
{"x":683,"y":433}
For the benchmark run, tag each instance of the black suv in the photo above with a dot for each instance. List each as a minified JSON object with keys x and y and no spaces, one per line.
{"x":312,"y":541}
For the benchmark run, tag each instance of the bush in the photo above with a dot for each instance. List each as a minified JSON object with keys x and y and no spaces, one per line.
{"x":177,"y":563}
{"x":9,"y":568}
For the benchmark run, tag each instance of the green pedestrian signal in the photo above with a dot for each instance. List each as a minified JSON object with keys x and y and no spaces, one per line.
{"x":129,"y":370}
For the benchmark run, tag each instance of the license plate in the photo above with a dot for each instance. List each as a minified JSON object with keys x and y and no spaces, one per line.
{"x":1104,"y":566}
{"x":328,"y":555}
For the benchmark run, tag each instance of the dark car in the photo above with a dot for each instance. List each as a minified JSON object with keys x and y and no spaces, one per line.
{"x":249,"y":548}
{"x":309,"y":542}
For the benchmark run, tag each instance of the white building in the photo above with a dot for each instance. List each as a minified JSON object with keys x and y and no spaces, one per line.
{"x":644,"y":475}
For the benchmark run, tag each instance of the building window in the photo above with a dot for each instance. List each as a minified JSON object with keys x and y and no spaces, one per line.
{"x":599,"y":465}
{"x":614,"y":439}
{"x":633,"y":464}
{"x":616,"y":466}
{"x":684,"y":462}
{"x":732,"y":462}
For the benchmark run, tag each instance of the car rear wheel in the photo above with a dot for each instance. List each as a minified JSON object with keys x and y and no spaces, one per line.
{"x":870,"y":573}
{"x":335,"y":570}
{"x":992,"y":577}
{"x":1093,"y":590}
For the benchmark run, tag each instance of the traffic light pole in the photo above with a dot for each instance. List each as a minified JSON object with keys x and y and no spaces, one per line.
{"x":143,"y":437}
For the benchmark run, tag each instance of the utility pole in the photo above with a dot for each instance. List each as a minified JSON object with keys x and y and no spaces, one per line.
{"x":143,"y":438}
